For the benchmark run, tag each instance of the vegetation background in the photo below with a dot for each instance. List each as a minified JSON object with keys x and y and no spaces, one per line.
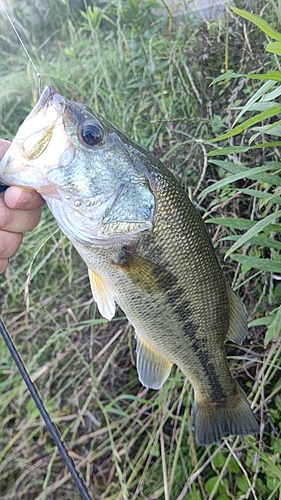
{"x":151,"y":74}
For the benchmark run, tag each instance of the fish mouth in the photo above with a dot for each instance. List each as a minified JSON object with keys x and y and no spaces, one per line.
{"x":49,"y":93}
{"x":19,"y":165}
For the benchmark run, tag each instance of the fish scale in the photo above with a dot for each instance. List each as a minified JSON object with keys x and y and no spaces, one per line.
{"x":146,"y":248}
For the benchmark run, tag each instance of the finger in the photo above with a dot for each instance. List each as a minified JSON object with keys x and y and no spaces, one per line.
{"x":23,"y":199}
{"x":4,"y":145}
{"x":18,"y":221}
{"x":9,"y":243}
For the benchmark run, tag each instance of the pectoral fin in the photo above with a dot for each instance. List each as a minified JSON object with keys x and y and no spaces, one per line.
{"x":238,"y":326}
{"x":149,"y":276}
{"x":152,"y":368}
{"x":102,"y":295}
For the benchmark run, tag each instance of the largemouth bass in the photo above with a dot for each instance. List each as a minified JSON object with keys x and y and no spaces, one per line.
{"x":146,"y":249}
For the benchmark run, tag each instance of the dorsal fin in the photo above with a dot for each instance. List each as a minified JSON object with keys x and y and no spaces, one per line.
{"x":238,"y":326}
{"x":102,"y":295}
{"x":152,"y":368}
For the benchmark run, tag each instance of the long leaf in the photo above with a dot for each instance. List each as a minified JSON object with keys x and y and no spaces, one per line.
{"x":248,"y":173}
{"x":227,"y":76}
{"x":263,"y":176}
{"x":260,"y":92}
{"x":273,"y":75}
{"x":240,"y":224}
{"x":262,"y":106}
{"x":229,"y":166}
{"x":253,"y":231}
{"x":264,"y":196}
{"x":257,"y":240}
{"x":266,"y":265}
{"x":271,"y":95}
{"x":260,"y":23}
{"x":248,"y":123}
{"x":273,"y":129}
{"x":242,"y":149}
{"x":264,"y":321}
{"x":228,"y":150}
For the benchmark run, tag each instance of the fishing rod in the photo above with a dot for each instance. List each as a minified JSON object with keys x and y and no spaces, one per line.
{"x":52,"y":428}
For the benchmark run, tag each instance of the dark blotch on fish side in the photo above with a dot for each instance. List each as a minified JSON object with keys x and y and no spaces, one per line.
{"x":182,"y":310}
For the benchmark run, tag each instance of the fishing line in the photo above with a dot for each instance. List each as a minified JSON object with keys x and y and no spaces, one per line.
{"x":52,"y":428}
{"x":23,"y":46}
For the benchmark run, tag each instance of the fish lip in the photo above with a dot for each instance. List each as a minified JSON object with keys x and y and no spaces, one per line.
{"x":49,"y":95}
{"x":44,"y":97}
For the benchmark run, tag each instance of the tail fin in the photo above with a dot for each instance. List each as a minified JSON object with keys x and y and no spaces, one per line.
{"x":213,"y":421}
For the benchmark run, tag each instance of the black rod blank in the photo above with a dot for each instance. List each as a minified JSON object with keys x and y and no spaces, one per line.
{"x":52,"y":428}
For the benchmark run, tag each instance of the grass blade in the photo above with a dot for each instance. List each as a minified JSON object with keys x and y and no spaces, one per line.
{"x":260,"y":23}
{"x":260,"y":92}
{"x":253,"y":231}
{"x":248,"y":123}
{"x":272,"y":75}
{"x":242,"y":224}
{"x":266,"y":265}
{"x":243,"y":172}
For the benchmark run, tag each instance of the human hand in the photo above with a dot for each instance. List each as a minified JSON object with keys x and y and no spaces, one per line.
{"x":19,"y":212}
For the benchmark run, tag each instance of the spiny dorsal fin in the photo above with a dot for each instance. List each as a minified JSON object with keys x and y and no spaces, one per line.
{"x":102,"y":295}
{"x":238,"y":326}
{"x":152,"y":368}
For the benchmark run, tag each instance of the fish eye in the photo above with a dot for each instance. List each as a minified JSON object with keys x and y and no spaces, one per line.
{"x":91,"y":134}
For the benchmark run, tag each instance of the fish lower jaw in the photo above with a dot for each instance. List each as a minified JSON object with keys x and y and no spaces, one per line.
{"x":82,"y":238}
{"x":28,"y":177}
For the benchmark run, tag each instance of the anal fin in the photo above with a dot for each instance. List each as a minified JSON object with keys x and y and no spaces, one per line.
{"x":238,"y":326}
{"x":102,"y":295}
{"x":152,"y":368}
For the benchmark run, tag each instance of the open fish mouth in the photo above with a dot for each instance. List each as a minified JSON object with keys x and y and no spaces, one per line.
{"x":35,"y":152}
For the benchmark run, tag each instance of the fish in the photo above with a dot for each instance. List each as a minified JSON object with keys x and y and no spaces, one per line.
{"x":147,"y":249}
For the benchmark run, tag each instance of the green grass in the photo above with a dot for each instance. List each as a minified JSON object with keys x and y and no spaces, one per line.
{"x":151,"y":76}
